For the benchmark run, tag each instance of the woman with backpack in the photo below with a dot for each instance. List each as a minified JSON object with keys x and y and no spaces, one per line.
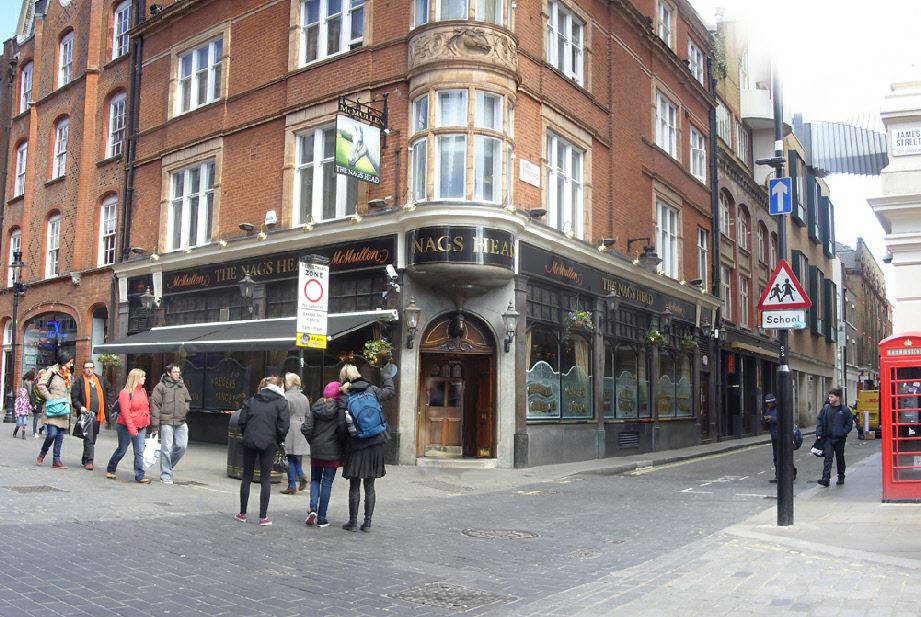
{"x":54,"y":387}
{"x":325,"y":431}
{"x":364,"y":461}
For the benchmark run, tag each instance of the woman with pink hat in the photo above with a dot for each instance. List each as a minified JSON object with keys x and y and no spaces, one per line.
{"x":325,"y":430}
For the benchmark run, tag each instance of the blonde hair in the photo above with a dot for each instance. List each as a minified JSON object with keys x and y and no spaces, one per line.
{"x":348,"y":373}
{"x":292,"y":381}
{"x":134,"y":378}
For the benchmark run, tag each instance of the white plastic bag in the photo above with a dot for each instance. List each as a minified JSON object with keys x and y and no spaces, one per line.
{"x":151,"y":451}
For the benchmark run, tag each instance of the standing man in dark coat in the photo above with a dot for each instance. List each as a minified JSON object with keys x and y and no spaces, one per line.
{"x":769,"y":418}
{"x":834,"y":423}
{"x":94,"y":393}
{"x":169,"y":406}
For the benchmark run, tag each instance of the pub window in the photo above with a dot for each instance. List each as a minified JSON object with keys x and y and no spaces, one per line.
{"x":352,"y":293}
{"x":626,"y":382}
{"x":675,"y":391}
{"x":559,"y":379}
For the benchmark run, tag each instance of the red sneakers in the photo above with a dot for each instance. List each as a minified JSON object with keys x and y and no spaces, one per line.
{"x":89,"y":467}
{"x":59,"y":465}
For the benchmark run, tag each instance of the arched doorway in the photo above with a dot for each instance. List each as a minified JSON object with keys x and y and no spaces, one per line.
{"x":457,"y":415}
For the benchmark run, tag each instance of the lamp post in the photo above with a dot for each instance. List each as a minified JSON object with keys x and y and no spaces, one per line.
{"x":411,"y":313}
{"x":510,"y":320}
{"x":248,"y":290}
{"x":19,"y":290}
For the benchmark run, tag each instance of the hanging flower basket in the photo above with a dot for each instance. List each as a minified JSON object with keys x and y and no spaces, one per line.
{"x":581,"y":320}
{"x":378,"y":352}
{"x":653,"y":338}
{"x":109,"y":359}
{"x":688,"y":343}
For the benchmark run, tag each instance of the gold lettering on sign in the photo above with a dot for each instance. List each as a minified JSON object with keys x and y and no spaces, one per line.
{"x":567,"y":272}
{"x":226,"y":274}
{"x":574,"y":391}
{"x":674,"y":308}
{"x":539,"y":389}
{"x":188,"y":280}
{"x":362,"y":255}
{"x":632,"y":293}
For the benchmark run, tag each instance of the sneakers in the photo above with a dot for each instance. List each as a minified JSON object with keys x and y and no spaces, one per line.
{"x":89,"y":467}
{"x":823,"y":482}
{"x":36,"y":435}
{"x":39,"y":459}
{"x":110,"y":476}
{"x":59,"y":465}
{"x":303,"y":484}
{"x":264,"y":522}
{"x":166,"y":480}
{"x":240,"y":517}
{"x":322,"y":523}
{"x":144,"y":481}
{"x":311,"y":519}
{"x":289,"y":491}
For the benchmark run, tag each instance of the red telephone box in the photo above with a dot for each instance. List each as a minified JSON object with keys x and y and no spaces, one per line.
{"x":900,"y":407}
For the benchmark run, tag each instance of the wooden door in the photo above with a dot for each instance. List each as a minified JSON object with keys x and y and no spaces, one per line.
{"x":441,"y":430}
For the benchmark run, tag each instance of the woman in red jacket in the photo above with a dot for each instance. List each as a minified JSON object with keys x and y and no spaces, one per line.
{"x":133,"y":420}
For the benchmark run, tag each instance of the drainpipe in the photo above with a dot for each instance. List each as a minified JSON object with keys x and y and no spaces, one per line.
{"x":137,"y":54}
{"x":715,"y":266}
{"x":6,"y":153}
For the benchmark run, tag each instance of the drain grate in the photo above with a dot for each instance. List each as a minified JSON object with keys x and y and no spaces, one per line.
{"x":537,"y":493}
{"x":34,"y":489}
{"x":443,"y":486}
{"x":500,"y":534}
{"x":450,"y":597}
{"x":582,"y":555}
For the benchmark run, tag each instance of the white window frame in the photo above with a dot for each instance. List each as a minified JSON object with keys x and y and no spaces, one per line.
{"x":453,"y":160}
{"x":743,"y":301}
{"x":481,"y":8}
{"x":66,"y":60}
{"x":726,"y":291}
{"x":742,"y":228}
{"x":565,"y":30}
{"x":666,"y":124}
{"x":200,"y":198}
{"x":209,"y":76}
{"x":665,"y":21}
{"x":420,"y":114}
{"x":120,"y":26}
{"x":723,"y":123}
{"x":487,"y":169}
{"x":695,"y":60}
{"x":762,"y":239}
{"x":348,"y":10}
{"x":698,"y":155}
{"x":486,"y":101}
{"x":22,"y":155}
{"x":321,"y":167}
{"x":116,"y":136}
{"x":61,"y":136}
{"x":15,"y":247}
{"x":703,"y":247}
{"x":742,"y":150}
{"x":448,"y":10}
{"x":563,"y":181}
{"x":420,"y":12}
{"x":667,"y":237}
{"x":108,"y":216}
{"x":52,"y":246}
{"x":25,"y":87}
{"x":724,"y":215}
{"x":450,"y":115}
{"x":419,"y":170}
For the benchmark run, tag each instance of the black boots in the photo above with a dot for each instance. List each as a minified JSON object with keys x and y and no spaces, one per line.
{"x":369,"y":511}
{"x":352,"y":525}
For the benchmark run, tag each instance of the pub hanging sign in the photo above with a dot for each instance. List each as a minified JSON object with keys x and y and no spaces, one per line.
{"x":358,"y":140}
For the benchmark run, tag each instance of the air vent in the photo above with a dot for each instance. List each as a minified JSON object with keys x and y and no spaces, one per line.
{"x":628,"y":440}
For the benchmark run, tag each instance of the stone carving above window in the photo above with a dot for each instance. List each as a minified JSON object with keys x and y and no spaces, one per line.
{"x":445,"y":43}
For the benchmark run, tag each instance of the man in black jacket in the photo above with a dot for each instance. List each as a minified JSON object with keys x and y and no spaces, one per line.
{"x":834,"y":423}
{"x":92,"y":393}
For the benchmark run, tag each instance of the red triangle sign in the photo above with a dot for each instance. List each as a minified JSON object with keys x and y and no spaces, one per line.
{"x":783,"y":291}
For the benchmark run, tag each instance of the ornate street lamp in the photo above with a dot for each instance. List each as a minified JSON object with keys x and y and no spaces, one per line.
{"x":510,"y":319}
{"x":411,"y":313}
{"x":248,"y":290}
{"x":19,"y":290}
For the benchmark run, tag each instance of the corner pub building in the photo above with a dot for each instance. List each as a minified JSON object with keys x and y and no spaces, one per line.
{"x":519,"y":166}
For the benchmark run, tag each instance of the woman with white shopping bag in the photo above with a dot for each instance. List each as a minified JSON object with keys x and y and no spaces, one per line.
{"x":132,"y":424}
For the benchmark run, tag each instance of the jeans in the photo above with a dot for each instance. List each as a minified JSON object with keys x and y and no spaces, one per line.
{"x":295,"y":470}
{"x":266,"y":459}
{"x":173,"y":442}
{"x":35,"y":420}
{"x":55,"y":435}
{"x":321,"y":484}
{"x":833,"y":449}
{"x":89,"y":445}
{"x":137,"y":441}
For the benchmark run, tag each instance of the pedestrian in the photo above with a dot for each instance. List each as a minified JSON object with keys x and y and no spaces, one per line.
{"x":769,"y":418}
{"x":30,"y":381}
{"x":858,"y":421}
{"x":264,"y":422}
{"x":22,"y":407}
{"x":131,"y":425}
{"x":295,"y":445}
{"x":92,"y":393}
{"x":169,"y":406}
{"x":326,"y":432}
{"x":364,"y":460}
{"x":54,"y":387}
{"x":834,"y":423}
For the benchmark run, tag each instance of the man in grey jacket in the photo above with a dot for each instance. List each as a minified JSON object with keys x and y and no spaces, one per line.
{"x":169,"y":405}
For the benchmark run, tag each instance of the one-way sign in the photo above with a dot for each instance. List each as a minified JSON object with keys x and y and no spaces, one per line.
{"x":783,"y":291}
{"x":780,"y":192}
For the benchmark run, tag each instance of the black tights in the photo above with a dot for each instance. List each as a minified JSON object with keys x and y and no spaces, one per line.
{"x":355,"y":494}
{"x":266,"y":460}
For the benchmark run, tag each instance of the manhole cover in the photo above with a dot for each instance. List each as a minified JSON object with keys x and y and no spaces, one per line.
{"x":443,"y":486}
{"x":538,"y":493}
{"x":189,"y":483}
{"x":450,"y":597}
{"x":34,"y":489}
{"x":500,"y":534}
{"x":582,"y":555}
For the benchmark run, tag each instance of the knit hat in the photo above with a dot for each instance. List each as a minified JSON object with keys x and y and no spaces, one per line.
{"x":64,"y":357}
{"x":331,"y":390}
{"x":770,"y":399}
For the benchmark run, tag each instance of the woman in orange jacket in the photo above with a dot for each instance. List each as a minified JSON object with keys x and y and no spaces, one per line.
{"x":133,"y":420}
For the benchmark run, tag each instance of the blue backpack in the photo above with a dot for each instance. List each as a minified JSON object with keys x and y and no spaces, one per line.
{"x":366,"y":413}
{"x":797,"y":438}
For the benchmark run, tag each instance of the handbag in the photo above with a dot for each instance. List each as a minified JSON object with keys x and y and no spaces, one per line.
{"x":57,"y":407}
{"x":83,"y":427}
{"x":281,"y":461}
{"x":818,"y":448}
{"x":151,"y":451}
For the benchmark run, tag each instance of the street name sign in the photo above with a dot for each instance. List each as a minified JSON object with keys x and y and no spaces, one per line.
{"x":784,"y":319}
{"x":312,"y":305}
{"x":783,"y":291}
{"x":780,"y":191}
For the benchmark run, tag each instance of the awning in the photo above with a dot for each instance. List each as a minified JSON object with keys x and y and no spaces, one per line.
{"x":257,"y":335}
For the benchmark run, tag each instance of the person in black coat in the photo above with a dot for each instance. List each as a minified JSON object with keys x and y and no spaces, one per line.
{"x":834,"y":423}
{"x":85,"y":396}
{"x":364,"y":461}
{"x":324,"y":428}
{"x":263,"y":425}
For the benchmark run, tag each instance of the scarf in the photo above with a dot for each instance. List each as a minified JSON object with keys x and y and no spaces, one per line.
{"x":68,"y":379}
{"x":101,"y":413}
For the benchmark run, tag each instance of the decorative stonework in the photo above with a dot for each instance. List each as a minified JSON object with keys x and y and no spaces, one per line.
{"x":463,"y":42}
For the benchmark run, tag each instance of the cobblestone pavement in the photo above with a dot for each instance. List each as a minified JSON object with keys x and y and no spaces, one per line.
{"x":542,"y":541}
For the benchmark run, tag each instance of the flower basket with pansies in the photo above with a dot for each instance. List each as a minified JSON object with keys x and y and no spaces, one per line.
{"x":378,"y":352}
{"x":581,"y":320}
{"x":688,"y":343}
{"x":653,"y":338}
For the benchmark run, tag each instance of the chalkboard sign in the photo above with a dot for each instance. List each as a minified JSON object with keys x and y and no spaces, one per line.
{"x":226,"y":383}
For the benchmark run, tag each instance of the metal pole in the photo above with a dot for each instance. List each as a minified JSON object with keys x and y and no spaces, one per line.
{"x":716,"y":406}
{"x":10,"y":416}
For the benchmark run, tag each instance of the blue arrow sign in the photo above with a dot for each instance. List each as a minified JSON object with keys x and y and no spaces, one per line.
{"x":781,"y":194}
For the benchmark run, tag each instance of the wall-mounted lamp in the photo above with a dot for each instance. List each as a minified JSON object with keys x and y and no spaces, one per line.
{"x":567,"y":230}
{"x":247,"y":290}
{"x":665,"y":320}
{"x":148,"y":300}
{"x":510,"y":319}
{"x":378,"y":203}
{"x":356,"y":218}
{"x":221,"y":241}
{"x":308,"y":226}
{"x":612,"y":300}
{"x":154,"y":257}
{"x":411,"y":313}
{"x":605,"y":243}
{"x":262,"y":235}
{"x":137,"y":250}
{"x":155,"y":9}
{"x":187,"y":250}
{"x":696,"y":282}
{"x":536,"y":213}
{"x":649,"y":261}
{"x":706,"y":328}
{"x":511,"y":209}
{"x":632,"y":240}
{"x":247,"y":227}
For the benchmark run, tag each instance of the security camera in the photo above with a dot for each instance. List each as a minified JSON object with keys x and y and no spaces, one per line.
{"x":391,"y":272}
{"x":887,"y":258}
